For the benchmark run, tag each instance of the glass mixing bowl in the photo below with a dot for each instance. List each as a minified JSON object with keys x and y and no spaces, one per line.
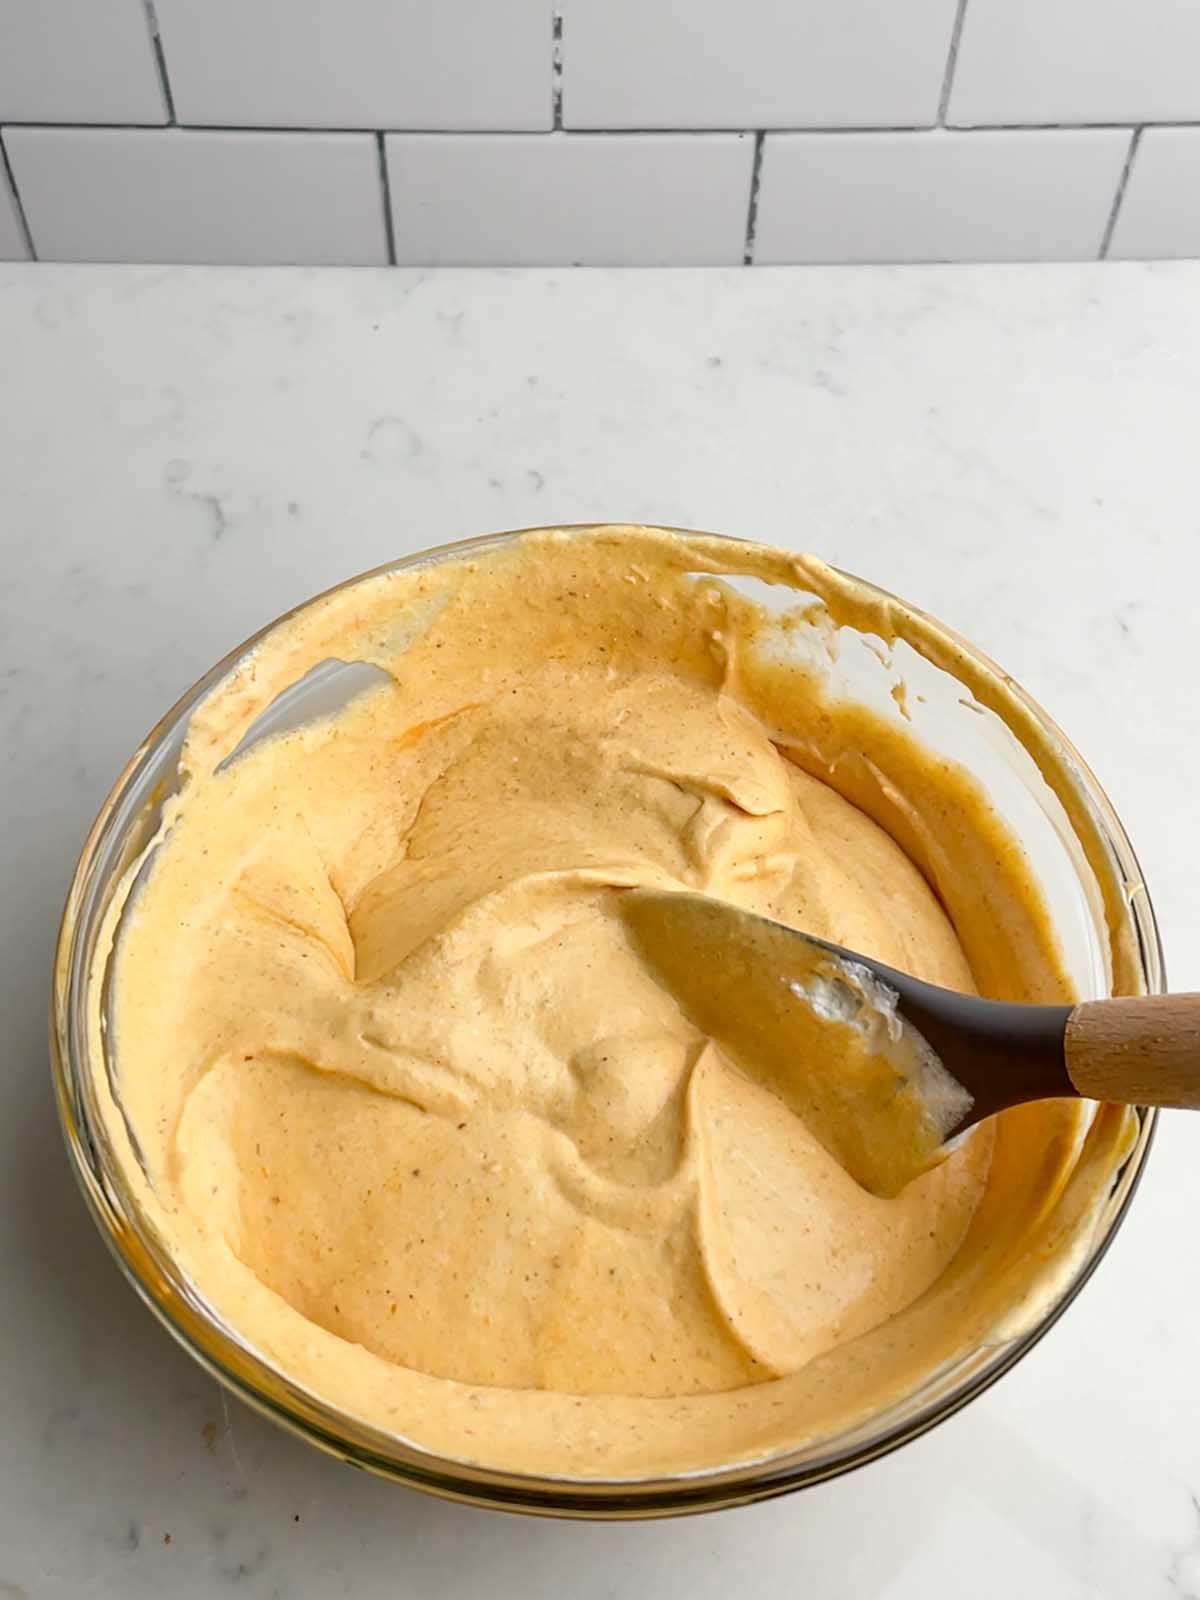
{"x":862,"y":667}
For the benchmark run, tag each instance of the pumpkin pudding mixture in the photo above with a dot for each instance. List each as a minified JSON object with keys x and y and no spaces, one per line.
{"x":415,"y":1118}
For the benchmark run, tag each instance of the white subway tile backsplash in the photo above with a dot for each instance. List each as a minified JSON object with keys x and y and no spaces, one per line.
{"x":12,"y":238}
{"x":78,"y":61}
{"x":598,"y":131}
{"x":359,"y":63}
{"x":1078,"y":61}
{"x":173,"y":195}
{"x":1160,"y":212}
{"x":760,"y":64}
{"x":626,"y":200}
{"x":937,"y":196}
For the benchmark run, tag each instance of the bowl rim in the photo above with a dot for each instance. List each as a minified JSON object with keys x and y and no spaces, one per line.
{"x":146,"y":1264}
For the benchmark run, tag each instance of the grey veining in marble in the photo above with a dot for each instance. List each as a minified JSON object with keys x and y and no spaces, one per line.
{"x":185,"y":453}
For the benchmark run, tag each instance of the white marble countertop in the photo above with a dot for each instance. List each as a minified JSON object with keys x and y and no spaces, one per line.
{"x":184,"y":453}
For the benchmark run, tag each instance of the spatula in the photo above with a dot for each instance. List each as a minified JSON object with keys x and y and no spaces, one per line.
{"x":884,"y":1069}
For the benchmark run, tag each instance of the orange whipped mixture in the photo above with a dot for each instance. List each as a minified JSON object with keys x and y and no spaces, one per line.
{"x":419,"y":1123}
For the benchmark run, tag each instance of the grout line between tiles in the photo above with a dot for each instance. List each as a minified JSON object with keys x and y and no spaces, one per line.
{"x":7,"y":173}
{"x":160,"y":61}
{"x":556,"y":69}
{"x":385,"y":185}
{"x":752,"y":206}
{"x":951,"y":62}
{"x":1122,"y":184}
{"x":593,"y":133}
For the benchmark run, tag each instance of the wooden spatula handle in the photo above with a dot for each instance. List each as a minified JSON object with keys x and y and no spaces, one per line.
{"x":1139,"y":1049}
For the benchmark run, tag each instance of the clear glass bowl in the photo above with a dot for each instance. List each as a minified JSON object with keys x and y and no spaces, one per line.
{"x":866,"y":669}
